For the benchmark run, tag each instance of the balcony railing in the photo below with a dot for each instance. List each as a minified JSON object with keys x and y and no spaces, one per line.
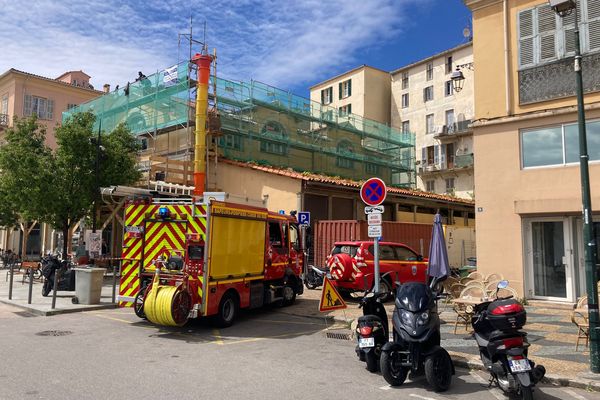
{"x":463,"y":161}
{"x":460,"y":162}
{"x":455,"y":129}
{"x":3,"y":119}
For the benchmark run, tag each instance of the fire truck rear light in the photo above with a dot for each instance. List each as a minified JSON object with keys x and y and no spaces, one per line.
{"x":365,"y":330}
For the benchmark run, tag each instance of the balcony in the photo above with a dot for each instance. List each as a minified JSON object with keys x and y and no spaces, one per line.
{"x":4,"y":120}
{"x":460,"y":163}
{"x":457,"y":129}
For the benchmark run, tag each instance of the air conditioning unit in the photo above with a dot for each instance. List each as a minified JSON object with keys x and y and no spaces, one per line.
{"x":419,"y":169}
{"x":431,"y":168}
{"x":438,"y":129}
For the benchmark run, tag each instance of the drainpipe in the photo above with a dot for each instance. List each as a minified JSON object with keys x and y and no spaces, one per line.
{"x":506,"y":60}
{"x":203,"y":62}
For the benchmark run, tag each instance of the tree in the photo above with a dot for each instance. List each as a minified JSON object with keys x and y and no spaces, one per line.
{"x":73,"y":172}
{"x":24,"y":164}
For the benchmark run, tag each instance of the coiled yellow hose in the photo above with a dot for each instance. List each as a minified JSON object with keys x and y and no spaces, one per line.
{"x":158,"y":306}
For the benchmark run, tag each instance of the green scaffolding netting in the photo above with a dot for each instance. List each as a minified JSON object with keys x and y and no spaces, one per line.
{"x":265,"y":125}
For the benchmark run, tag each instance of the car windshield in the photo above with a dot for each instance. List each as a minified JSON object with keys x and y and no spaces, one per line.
{"x":346,"y":249}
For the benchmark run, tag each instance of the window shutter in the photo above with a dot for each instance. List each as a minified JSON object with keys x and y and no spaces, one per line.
{"x":593,"y":11}
{"x":349,"y":87}
{"x":547,"y":29}
{"x":340,"y":88}
{"x":436,"y":154}
{"x":526,"y":36}
{"x":322,"y":97}
{"x":50,"y":110}
{"x":424,"y":155}
{"x":28,"y":105}
{"x":443,"y":158}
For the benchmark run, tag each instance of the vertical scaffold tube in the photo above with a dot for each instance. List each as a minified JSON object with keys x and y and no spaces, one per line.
{"x":203,"y":62}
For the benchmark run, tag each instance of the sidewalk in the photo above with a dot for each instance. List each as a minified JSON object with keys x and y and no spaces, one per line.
{"x":43,"y":305}
{"x":549,"y":329}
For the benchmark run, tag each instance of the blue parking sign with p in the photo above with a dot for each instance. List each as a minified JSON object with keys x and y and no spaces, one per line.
{"x":304,"y":218}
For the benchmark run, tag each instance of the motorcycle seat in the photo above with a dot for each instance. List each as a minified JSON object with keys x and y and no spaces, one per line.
{"x":369,"y":319}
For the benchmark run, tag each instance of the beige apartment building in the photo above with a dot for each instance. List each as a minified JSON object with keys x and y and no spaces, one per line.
{"x":363,"y":91}
{"x":528,"y":203}
{"x":423,"y":101}
{"x":23,"y":94}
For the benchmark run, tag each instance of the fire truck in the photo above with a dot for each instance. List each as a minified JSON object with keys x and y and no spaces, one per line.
{"x":207,"y":257}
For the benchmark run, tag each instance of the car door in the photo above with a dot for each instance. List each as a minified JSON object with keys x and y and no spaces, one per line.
{"x":411,"y":266}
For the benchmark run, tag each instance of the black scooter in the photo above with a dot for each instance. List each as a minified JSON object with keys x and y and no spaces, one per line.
{"x":66,"y":276}
{"x":315,"y":276}
{"x":503,"y":346}
{"x":416,"y":339}
{"x":372,"y":330}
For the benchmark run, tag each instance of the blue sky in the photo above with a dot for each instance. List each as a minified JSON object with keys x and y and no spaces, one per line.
{"x":285,"y":43}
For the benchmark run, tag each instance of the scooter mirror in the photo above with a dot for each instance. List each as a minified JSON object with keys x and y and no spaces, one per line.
{"x":503,"y":284}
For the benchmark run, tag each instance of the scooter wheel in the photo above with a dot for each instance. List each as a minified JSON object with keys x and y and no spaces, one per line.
{"x":526,"y":393}
{"x":372,"y":361}
{"x":438,"y":369}
{"x":392,"y":371}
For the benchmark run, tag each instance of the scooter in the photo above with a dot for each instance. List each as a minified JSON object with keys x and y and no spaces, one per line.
{"x":503,"y":346}
{"x":372,"y":330}
{"x":66,"y":276}
{"x":315,"y":276}
{"x":416,"y":338}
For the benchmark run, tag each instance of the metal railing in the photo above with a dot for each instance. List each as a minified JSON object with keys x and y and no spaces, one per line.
{"x":3,"y":119}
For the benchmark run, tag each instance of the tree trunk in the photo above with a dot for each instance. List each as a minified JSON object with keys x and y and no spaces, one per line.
{"x":65,"y":231}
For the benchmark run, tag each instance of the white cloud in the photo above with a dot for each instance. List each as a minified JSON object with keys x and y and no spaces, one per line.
{"x":280,"y":42}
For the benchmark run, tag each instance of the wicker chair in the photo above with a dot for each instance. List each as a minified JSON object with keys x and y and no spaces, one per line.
{"x":490,"y":287}
{"x":581,"y":321}
{"x":462,"y":316}
{"x":494,"y":277}
{"x":476,"y":276}
{"x":465,"y":280}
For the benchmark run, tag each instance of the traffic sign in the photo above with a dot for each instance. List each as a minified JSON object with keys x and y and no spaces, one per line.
{"x":373,"y":192}
{"x":304,"y":218}
{"x":375,"y":231}
{"x":330,"y":298}
{"x":374,"y":219}
{"x":374,"y":210}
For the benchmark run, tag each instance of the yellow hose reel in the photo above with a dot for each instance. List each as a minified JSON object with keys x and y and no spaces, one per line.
{"x":167,"y":305}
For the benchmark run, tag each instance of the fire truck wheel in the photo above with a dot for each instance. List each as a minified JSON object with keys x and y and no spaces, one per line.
{"x":228,"y":309}
{"x":289,"y":294}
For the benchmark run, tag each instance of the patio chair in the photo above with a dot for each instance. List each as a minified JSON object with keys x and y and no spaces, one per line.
{"x":476,"y":276}
{"x":507,"y":291}
{"x":580,"y":320}
{"x":491,"y":286}
{"x":494,"y":277}
{"x":465,"y":280}
{"x":478,"y":284}
{"x":469,"y":293}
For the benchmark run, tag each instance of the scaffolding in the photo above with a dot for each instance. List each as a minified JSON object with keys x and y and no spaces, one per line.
{"x":260,"y":124}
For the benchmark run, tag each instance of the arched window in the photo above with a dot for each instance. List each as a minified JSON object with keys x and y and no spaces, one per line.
{"x":274,"y":138}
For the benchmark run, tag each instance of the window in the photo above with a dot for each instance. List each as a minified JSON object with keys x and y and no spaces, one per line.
{"x":429,"y":71}
{"x":345,"y":89}
{"x":371,"y":168}
{"x":385,"y":252}
{"x":430,"y":156}
{"x":274,"y":134}
{"x":43,"y":108}
{"x":449,"y":64}
{"x":428,"y":93}
{"x":429,"y":123}
{"x":544,"y":36}
{"x":273,"y":148}
{"x":327,"y":95}
{"x":327,"y":115}
{"x":345,"y":110}
{"x":558,"y":145}
{"x":345,"y":151}
{"x":405,"y":126}
{"x":405,"y":254}
{"x":230,"y":141}
{"x":4,"y":105}
{"x":449,"y":89}
{"x":71,"y":105}
{"x":405,"y":80}
{"x":430,"y":186}
{"x":275,"y":238}
{"x":449,"y":118}
{"x":449,"y":185}
{"x":143,"y":143}
{"x":405,"y":102}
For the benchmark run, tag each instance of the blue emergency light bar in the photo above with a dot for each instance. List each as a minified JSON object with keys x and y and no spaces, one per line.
{"x":163,"y":212}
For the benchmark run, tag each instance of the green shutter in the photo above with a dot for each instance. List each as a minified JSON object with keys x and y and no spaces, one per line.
{"x":340,"y":90}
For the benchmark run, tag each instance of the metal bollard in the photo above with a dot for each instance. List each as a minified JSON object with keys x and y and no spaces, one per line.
{"x":10,"y":283}
{"x":30,"y":285}
{"x":114,"y":286}
{"x":55,"y":287}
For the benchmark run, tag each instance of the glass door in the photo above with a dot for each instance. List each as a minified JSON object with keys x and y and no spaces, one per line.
{"x":578,"y":238}
{"x":549,"y":259}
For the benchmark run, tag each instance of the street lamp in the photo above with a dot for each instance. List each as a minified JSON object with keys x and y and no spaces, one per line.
{"x":457,"y":77}
{"x":564,"y":8}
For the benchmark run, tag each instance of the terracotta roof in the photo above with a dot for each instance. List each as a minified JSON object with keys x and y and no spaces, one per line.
{"x":347,"y":73}
{"x":68,"y":72}
{"x":16,"y":71}
{"x":312,"y":177}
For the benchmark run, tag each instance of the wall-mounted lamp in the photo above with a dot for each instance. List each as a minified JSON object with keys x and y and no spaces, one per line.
{"x":457,"y":77}
{"x":562,"y":7}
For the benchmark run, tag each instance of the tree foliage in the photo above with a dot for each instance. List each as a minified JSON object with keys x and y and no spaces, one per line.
{"x":60,"y":187}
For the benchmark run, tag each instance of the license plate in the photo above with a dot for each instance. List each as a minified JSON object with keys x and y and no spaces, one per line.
{"x":519,"y":365}
{"x":366,"y":342}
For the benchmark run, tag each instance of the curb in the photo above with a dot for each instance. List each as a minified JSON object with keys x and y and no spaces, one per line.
{"x":58,"y":311}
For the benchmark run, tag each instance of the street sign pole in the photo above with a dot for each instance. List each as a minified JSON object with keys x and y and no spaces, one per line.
{"x":376,"y":285}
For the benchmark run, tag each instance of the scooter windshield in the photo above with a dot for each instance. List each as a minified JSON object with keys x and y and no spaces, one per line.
{"x":414,"y":296}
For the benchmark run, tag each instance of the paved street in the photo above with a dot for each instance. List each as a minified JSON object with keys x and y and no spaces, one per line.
{"x":268,"y":354}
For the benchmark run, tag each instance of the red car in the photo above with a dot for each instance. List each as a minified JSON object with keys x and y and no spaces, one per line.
{"x":351,"y":265}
